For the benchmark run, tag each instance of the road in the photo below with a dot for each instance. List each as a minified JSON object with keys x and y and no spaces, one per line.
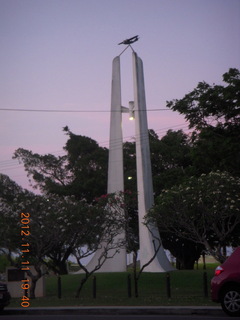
{"x":112,"y":317}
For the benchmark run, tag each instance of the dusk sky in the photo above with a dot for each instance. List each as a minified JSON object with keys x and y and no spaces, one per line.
{"x":57,"y":55}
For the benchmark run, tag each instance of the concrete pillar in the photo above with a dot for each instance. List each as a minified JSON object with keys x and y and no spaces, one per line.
{"x":115,"y":160}
{"x":144,"y":176}
{"x":115,"y":168}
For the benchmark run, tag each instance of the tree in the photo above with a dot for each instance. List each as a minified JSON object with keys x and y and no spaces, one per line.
{"x":213,"y":111}
{"x":215,"y":105}
{"x":58,"y":227}
{"x":14,"y":200}
{"x":62,"y":226}
{"x":171,"y":159}
{"x":88,"y":163}
{"x":9,"y":218}
{"x":138,"y":272}
{"x":215,"y":114}
{"x":204,"y":210}
{"x":217,"y":148}
{"x":41,"y":237}
{"x":110,"y":227}
{"x":184,"y":250}
{"x":81,"y":172}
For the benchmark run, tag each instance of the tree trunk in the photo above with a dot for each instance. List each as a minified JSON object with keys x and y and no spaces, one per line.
{"x":135,"y":274}
{"x":34,"y":279}
{"x":33,"y":287}
{"x":81,"y":285}
{"x":62,"y":267}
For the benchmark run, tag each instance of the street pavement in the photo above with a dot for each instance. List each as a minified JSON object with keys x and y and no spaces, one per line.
{"x":142,"y":310}
{"x":113,"y":317}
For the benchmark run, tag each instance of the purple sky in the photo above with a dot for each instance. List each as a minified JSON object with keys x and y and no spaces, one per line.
{"x":57,"y":55}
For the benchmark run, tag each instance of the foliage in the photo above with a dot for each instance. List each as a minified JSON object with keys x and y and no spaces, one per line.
{"x":214,"y":112}
{"x":87,"y":161}
{"x":212,"y":105}
{"x":4,"y":263}
{"x":81,"y":172}
{"x":9,"y":218}
{"x":111,"y":235}
{"x":184,"y":250}
{"x":204,"y":210}
{"x":171,"y":159}
{"x":216,"y":148}
{"x":57,"y":227}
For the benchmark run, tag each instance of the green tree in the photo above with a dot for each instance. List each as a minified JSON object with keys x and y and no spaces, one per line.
{"x":81,"y":172}
{"x":204,"y":210}
{"x":215,"y":105}
{"x":213,"y":111}
{"x":217,"y":148}
{"x":184,"y":250}
{"x":9,"y":217}
{"x":88,"y":163}
{"x":4,"y":262}
{"x":57,"y":228}
{"x":110,"y":230}
{"x":171,"y":159}
{"x":14,"y":200}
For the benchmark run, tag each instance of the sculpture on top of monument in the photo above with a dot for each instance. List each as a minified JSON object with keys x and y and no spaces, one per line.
{"x":130,"y":40}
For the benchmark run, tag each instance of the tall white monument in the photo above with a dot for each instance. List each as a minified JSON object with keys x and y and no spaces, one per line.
{"x":148,"y":236}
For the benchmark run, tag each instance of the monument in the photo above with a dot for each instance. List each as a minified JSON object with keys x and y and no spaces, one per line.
{"x":148,"y":235}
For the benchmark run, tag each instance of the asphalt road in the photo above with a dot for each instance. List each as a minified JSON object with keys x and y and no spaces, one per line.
{"x":112,"y":317}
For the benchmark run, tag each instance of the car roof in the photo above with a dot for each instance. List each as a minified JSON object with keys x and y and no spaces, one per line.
{"x":233,"y":260}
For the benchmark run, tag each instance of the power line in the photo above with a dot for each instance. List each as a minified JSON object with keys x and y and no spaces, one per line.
{"x":11,"y":164}
{"x":72,"y":111}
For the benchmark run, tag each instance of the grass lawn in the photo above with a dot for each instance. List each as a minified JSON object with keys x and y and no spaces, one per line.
{"x":186,"y":289}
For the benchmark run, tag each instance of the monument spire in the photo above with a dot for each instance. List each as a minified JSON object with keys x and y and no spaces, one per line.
{"x":147,"y":235}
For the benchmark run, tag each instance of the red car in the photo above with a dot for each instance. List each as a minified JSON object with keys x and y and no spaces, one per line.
{"x":225,"y":285}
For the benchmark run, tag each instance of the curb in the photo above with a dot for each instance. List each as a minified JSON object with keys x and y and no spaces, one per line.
{"x":116,"y":311}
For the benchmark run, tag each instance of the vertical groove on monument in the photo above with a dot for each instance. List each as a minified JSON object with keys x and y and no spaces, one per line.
{"x":115,"y":168}
{"x":144,"y":176}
